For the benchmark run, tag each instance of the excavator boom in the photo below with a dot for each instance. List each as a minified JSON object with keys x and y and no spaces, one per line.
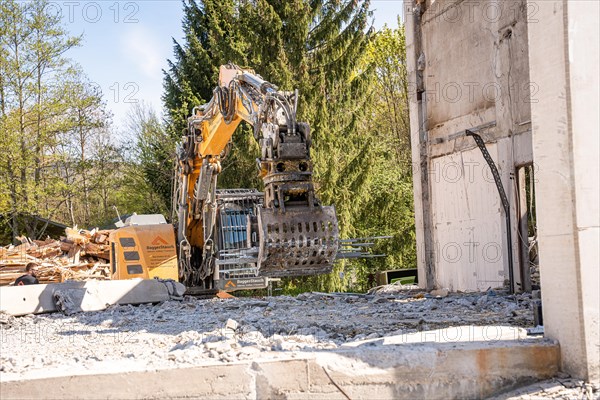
{"x":284,"y":231}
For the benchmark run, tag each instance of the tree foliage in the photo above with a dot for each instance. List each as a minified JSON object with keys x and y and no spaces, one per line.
{"x":32,"y":72}
{"x":152,"y":161}
{"x":389,"y":209}
{"x":59,"y":159}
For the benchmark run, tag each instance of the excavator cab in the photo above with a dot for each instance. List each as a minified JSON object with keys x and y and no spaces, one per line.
{"x":143,"y":248}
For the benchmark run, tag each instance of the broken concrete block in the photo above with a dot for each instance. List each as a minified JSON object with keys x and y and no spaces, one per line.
{"x":230,"y":328}
{"x":176,"y":289}
{"x":83,"y":296}
{"x":439,"y":292}
{"x":231,"y":324}
{"x":69,"y":301}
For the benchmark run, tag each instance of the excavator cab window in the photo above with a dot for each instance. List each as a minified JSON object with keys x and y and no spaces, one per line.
{"x":135,"y":269}
{"x":113,"y":258}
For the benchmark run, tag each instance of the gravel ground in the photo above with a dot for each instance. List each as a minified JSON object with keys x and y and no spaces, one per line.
{"x":193,"y":331}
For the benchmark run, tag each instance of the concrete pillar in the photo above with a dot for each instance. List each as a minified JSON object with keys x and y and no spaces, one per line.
{"x":420,"y":160}
{"x":563,"y":51}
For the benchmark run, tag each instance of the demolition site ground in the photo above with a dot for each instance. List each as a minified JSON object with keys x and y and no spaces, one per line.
{"x":193,"y":331}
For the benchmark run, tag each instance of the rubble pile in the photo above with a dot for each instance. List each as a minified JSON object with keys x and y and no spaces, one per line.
{"x":193,"y":331}
{"x":79,"y":255}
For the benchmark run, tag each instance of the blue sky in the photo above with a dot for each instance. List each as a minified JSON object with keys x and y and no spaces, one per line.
{"x":126,"y":45}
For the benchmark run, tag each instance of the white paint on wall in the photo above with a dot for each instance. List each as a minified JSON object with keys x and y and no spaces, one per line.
{"x":467,"y":222}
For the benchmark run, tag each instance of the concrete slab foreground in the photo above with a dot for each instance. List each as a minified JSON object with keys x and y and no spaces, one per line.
{"x":453,"y":334}
{"x":86,"y":296}
{"x":396,"y":371}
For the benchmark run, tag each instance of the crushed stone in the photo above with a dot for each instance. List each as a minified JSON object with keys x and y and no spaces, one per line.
{"x":192,"y":331}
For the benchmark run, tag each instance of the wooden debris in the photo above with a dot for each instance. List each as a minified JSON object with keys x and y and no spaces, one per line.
{"x":79,"y":255}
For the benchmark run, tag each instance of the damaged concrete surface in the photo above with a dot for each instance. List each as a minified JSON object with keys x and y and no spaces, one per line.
{"x":192,"y":331}
{"x":479,"y":81}
{"x":426,"y":370}
{"x":399,"y":342}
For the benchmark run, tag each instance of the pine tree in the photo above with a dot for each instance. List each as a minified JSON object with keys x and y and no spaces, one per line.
{"x":312,"y":45}
{"x":324,"y":54}
{"x":389,"y":209}
{"x":213,"y":37}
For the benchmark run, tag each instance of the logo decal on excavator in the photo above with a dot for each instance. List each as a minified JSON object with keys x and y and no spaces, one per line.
{"x":229,"y":284}
{"x":159,"y":241}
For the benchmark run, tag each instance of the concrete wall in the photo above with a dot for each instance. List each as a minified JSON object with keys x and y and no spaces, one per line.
{"x":564,"y":64}
{"x":468,"y":65}
{"x":525,"y":75}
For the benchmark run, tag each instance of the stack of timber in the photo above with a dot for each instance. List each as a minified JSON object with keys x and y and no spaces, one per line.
{"x":79,"y":255}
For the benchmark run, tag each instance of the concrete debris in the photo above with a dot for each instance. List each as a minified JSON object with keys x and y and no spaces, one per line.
{"x":439,"y":293}
{"x":192,"y":331}
{"x":5,"y":318}
{"x":176,"y":290}
{"x":394,"y":287}
{"x":231,"y":324}
{"x":65,"y":301}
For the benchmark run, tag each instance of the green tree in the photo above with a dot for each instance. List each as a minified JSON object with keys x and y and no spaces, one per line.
{"x":86,"y":119}
{"x":33,"y":44}
{"x":213,"y":37}
{"x":389,"y":209}
{"x":105,"y":183}
{"x":154,"y":159}
{"x":49,"y":115}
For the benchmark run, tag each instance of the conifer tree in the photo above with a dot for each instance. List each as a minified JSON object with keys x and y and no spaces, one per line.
{"x":316,"y":46}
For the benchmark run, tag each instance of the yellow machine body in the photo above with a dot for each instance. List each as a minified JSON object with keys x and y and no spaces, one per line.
{"x":144,"y":251}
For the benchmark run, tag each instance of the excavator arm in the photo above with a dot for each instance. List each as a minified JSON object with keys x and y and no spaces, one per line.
{"x":288,"y":232}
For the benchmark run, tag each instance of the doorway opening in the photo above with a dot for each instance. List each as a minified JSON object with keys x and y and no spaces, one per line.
{"x":527,"y":229}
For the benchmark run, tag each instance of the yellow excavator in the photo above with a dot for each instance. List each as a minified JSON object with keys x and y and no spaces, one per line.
{"x":237,"y":238}
{"x":226,"y":234}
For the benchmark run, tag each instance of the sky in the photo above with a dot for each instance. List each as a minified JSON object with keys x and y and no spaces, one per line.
{"x":126,"y":45}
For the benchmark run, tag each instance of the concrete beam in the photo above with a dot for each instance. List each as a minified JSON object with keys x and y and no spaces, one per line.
{"x":400,"y":371}
{"x":85,"y":296}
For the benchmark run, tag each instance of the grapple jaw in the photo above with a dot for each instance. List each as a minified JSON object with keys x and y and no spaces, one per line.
{"x":297,"y":241}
